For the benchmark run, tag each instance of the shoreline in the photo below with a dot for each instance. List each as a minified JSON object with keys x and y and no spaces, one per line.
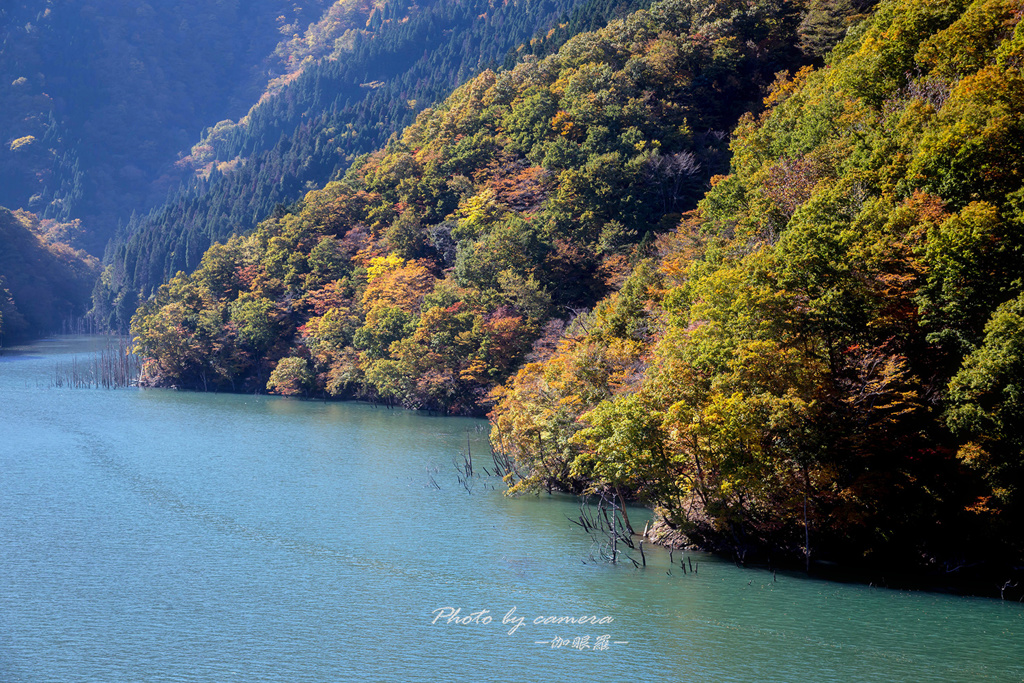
{"x":979,"y":580}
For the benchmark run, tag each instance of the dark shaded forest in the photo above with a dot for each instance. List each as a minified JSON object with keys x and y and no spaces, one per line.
{"x":44,"y":283}
{"x":97,"y":99}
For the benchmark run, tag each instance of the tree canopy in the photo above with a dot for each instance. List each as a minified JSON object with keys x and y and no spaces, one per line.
{"x":834,"y":329}
{"x":695,"y":258}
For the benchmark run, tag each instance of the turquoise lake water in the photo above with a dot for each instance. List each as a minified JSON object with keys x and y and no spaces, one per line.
{"x":152,"y":535}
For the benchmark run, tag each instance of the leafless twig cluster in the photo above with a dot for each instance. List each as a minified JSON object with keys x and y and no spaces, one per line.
{"x":114,"y":367}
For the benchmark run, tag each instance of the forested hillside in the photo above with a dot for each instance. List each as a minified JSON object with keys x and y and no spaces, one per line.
{"x":425,"y":274}
{"x":355,"y":77}
{"x":821,"y":357}
{"x":825,"y":359}
{"x":97,"y":99}
{"x":44,"y":283}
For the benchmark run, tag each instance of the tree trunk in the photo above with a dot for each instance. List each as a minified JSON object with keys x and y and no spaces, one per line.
{"x":807,"y":527}
{"x":622,"y":506}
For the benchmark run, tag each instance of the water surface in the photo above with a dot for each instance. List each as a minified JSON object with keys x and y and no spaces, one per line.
{"x":167,"y":536}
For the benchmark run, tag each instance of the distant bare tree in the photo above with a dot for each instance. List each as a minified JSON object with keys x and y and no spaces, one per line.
{"x":676,"y":175}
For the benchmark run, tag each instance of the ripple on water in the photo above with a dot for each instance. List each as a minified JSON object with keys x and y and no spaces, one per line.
{"x":169,"y":536}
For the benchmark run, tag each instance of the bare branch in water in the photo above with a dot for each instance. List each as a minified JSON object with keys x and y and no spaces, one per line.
{"x":114,"y":367}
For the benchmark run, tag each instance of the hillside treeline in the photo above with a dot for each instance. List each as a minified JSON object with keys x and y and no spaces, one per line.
{"x":44,"y":283}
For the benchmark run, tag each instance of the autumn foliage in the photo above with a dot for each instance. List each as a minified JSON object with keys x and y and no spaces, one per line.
{"x":811,"y":353}
{"x":423,"y":277}
{"x":829,"y":347}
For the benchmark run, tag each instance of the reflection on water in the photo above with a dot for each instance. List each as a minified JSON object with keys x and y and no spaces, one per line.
{"x":170,"y":536}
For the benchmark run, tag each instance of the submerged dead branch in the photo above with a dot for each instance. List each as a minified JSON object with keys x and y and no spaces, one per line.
{"x":114,"y":367}
{"x":606,"y":525}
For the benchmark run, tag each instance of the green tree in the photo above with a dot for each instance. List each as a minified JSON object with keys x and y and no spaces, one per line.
{"x":986,"y":404}
{"x":290,"y":377}
{"x":255,"y":320}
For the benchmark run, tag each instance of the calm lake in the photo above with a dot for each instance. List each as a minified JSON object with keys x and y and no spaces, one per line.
{"x":166,"y":536}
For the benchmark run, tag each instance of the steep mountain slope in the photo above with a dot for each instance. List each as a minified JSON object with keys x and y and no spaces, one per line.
{"x":97,"y":99}
{"x":425,"y":274}
{"x":316,"y":120}
{"x":825,"y":358}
